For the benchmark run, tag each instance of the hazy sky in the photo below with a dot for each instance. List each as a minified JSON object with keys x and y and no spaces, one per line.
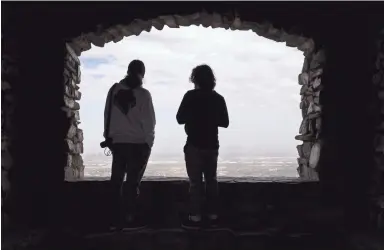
{"x":256,"y":76}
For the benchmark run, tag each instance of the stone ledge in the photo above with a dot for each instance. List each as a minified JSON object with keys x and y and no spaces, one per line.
{"x":292,"y":180}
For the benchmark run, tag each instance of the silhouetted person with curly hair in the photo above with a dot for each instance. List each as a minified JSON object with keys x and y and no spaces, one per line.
{"x":202,"y":110}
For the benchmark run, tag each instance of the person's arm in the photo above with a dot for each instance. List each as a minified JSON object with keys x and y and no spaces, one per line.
{"x":149,"y":120}
{"x":107,"y":109}
{"x":223,"y":119}
{"x":182,"y":113}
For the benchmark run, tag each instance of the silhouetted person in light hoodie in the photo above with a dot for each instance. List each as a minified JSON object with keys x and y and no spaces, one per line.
{"x":202,"y":110}
{"x":132,"y":132}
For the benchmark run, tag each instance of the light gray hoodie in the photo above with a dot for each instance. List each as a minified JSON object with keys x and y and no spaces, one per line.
{"x":138,"y":124}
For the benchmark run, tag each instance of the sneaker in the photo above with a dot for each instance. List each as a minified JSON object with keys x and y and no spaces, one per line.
{"x":133,"y":224}
{"x":192,"y":223}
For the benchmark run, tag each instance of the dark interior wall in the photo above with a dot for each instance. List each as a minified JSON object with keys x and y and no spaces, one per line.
{"x":40,"y":125}
{"x":38,"y":34}
{"x":348,"y":118}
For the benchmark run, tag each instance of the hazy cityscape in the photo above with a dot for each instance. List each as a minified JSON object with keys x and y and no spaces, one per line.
{"x":99,"y":165}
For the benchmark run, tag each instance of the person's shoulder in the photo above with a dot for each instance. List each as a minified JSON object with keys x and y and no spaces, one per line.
{"x":114,"y":86}
{"x":190,"y":92}
{"x":218,"y":96}
{"x":143,"y":91}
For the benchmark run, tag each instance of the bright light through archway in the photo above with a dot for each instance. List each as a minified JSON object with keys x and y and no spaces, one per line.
{"x":257,"y":76}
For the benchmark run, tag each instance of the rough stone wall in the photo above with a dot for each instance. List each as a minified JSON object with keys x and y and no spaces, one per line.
{"x":74,"y":168}
{"x":310,"y":128}
{"x":378,"y":175}
{"x":9,"y":74}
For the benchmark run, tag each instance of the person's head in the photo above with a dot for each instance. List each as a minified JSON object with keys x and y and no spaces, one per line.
{"x":135,"y":74}
{"x":203,"y":78}
{"x":136,"y":68}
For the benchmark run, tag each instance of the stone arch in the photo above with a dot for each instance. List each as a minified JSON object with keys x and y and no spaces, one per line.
{"x":309,"y":78}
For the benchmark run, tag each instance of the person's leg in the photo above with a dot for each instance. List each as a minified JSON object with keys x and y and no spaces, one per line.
{"x":193,"y":164}
{"x":211,"y":185}
{"x":137,"y":162}
{"x":116,"y":183}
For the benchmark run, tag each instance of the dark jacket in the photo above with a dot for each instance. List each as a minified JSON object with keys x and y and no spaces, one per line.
{"x":203,"y":112}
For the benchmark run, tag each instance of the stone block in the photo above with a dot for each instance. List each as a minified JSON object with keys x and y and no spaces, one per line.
{"x":305,"y":67}
{"x":316,"y":100}
{"x":318,"y":59}
{"x":309,"y":98}
{"x":318,"y":123}
{"x":314,"y":115}
{"x":300,"y":150}
{"x":69,"y":160}
{"x":308,"y":173}
{"x":316,"y":83}
{"x":79,"y":75}
{"x":77,"y":95}
{"x":70,"y":103}
{"x":77,"y":161}
{"x":73,"y":174}
{"x":70,"y":146}
{"x":272,"y":33}
{"x":307,"y":147}
{"x":315,"y":155}
{"x":313,"y":108}
{"x":302,"y":161}
{"x":315,"y":73}
{"x":68,"y":91}
{"x":79,"y":135}
{"x":303,"y":78}
{"x":74,"y":148}
{"x":72,"y":53}
{"x":304,"y":104}
{"x":304,"y":126}
{"x":308,"y":137}
{"x":71,"y":67}
{"x":77,"y":115}
{"x":294,"y":40}
{"x":72,"y":131}
{"x":79,"y":148}
{"x":307,"y":47}
{"x":304,"y":89}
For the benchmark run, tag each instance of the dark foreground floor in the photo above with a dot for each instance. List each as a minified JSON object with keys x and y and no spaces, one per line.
{"x":178,"y":239}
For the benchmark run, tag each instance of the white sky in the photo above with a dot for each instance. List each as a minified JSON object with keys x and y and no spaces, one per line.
{"x":256,"y":76}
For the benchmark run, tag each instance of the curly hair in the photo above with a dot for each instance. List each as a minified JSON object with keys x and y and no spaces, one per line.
{"x":203,"y":77}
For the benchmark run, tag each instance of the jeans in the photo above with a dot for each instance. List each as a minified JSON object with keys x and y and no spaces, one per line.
{"x":131,"y":160}
{"x":202,"y":163}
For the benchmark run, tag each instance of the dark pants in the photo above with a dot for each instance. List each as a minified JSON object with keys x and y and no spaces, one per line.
{"x":130,"y":159}
{"x":199,"y":163}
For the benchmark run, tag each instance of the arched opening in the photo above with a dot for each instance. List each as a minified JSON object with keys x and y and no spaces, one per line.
{"x":309,"y":78}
